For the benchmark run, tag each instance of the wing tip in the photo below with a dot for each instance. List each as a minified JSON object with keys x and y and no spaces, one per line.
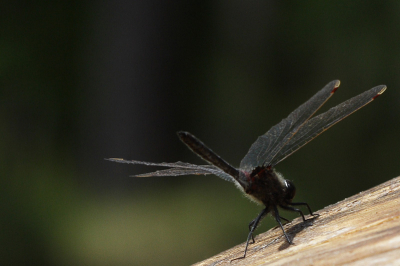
{"x":113,"y":159}
{"x":184,"y":135}
{"x":141,"y":175}
{"x":336,"y":86}
{"x":383,"y":89}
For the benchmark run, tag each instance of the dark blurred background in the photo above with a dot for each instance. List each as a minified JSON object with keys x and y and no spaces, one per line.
{"x":82,"y":81}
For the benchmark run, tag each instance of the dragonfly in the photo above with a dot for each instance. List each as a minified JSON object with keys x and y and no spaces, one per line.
{"x":256,"y":176}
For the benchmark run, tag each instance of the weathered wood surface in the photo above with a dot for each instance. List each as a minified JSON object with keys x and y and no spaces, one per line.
{"x":361,"y":230}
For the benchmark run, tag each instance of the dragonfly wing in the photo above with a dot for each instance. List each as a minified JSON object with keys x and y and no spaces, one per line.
{"x":211,"y":157}
{"x":177,"y":164}
{"x":322,"y":122}
{"x":178,"y":168}
{"x":268,"y":145}
{"x":173,"y":172}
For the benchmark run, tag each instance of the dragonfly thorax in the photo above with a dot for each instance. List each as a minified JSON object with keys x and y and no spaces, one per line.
{"x":269,"y":187}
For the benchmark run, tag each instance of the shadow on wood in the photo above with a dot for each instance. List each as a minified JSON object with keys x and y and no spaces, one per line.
{"x":361,"y":230}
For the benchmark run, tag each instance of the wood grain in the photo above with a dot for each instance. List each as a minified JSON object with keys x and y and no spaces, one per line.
{"x":361,"y":230}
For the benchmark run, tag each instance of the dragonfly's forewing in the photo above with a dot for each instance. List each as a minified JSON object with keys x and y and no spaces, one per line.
{"x":207,"y":154}
{"x":315,"y":126}
{"x":274,"y":146}
{"x":178,"y":168}
{"x":267,"y":146}
{"x":175,"y":172}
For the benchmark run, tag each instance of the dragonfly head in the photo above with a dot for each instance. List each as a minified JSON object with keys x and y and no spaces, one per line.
{"x":290,"y":190}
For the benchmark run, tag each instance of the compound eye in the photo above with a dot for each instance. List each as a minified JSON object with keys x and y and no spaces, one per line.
{"x":290,"y":190}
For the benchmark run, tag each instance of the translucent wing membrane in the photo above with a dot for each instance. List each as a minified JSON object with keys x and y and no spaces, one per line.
{"x":267,"y":146}
{"x":207,"y":154}
{"x":322,"y":122}
{"x":279,"y":142}
{"x":175,"y":172}
{"x":219,"y":166}
{"x":178,"y":168}
{"x":254,"y":177}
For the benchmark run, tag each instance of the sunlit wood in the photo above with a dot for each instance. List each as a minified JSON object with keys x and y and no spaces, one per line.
{"x":361,"y":230}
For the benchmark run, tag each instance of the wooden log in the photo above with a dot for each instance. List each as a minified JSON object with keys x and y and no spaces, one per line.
{"x":361,"y":230}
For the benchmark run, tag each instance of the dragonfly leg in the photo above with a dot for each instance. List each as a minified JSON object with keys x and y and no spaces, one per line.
{"x":286,"y":220}
{"x":304,"y":204}
{"x":278,"y":219}
{"x":252,"y":226}
{"x":289,"y":208}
